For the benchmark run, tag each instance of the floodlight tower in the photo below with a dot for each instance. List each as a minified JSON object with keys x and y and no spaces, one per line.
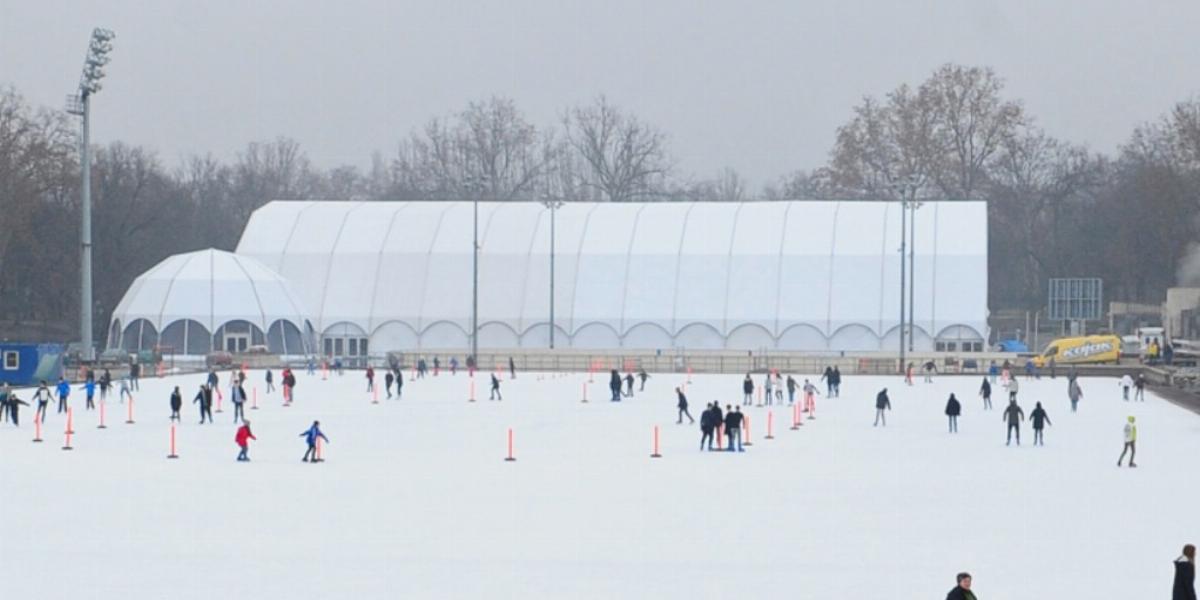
{"x":78,"y":104}
{"x":553,"y":204}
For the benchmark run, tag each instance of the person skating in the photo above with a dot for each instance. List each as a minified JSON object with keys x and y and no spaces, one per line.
{"x":370,"y":379}
{"x":930,"y":368}
{"x":1039,"y":419}
{"x":718,"y":420}
{"x":105,"y":384}
{"x":810,"y":400}
{"x":204,"y":399}
{"x":5,"y":393}
{"x":388,"y":379}
{"x":421,"y":368}
{"x":985,"y":391}
{"x":706,"y":427}
{"x":42,"y":396}
{"x":176,"y":405}
{"x":1139,"y":386}
{"x":962,"y":591}
{"x":135,"y":375}
{"x":733,"y":427}
{"x":993,"y":372}
{"x":882,"y":403}
{"x":629,"y":385}
{"x":1014,"y":386}
{"x":827,"y":377}
{"x":1013,"y":415}
{"x":243,"y":437}
{"x":239,"y":403}
{"x":953,"y":409}
{"x":779,"y":388}
{"x":64,"y":391}
{"x":89,"y":393}
{"x":123,"y":390}
{"x":643,"y":376}
{"x":908,"y":374}
{"x":837,"y":382}
{"x":270,"y":381}
{"x":1130,"y":442}
{"x":495,"y":394}
{"x":768,"y":384}
{"x":437,"y":366}
{"x":682,"y":405}
{"x":512,"y":368}
{"x":1126,"y":383}
{"x":453,"y":365}
{"x":13,"y":405}
{"x":1075,"y":393}
{"x":399,"y":383}
{"x":791,"y":388}
{"x":289,"y":386}
{"x":747,"y":391}
{"x":614,"y":385}
{"x":310,"y":437}
{"x":1185,"y":575}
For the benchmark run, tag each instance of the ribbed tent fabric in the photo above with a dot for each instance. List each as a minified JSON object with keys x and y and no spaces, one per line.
{"x":189,"y":299}
{"x":803,"y":275}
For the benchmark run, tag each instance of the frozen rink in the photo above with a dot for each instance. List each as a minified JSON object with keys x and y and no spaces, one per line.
{"x":416,"y":501}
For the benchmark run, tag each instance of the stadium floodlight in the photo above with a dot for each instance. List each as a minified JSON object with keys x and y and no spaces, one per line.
{"x":474,"y":185}
{"x":903,"y":187}
{"x":89,"y":84}
{"x":553,"y":204}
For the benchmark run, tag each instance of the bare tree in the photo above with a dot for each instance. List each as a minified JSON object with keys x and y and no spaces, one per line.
{"x":626,"y":158}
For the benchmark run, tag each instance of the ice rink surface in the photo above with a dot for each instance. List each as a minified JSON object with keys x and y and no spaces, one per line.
{"x":416,"y":501}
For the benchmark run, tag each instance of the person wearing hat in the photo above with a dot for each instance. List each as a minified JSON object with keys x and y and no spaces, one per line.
{"x":962,"y":591}
{"x":243,"y":437}
{"x":1130,"y":442}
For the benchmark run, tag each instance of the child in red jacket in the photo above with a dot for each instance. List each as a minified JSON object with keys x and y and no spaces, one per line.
{"x":243,"y":438}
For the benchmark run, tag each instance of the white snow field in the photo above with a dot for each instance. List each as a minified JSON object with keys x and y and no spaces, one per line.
{"x":415,"y":499}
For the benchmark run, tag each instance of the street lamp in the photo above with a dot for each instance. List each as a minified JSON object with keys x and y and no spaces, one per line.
{"x":473,"y":185}
{"x":553,"y":204}
{"x":89,"y":83}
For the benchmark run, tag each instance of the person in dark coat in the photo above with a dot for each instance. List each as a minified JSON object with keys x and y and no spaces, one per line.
{"x":495,"y":394}
{"x":14,"y":408}
{"x":204,"y":399}
{"x":1040,"y":419}
{"x":239,"y":403}
{"x":827,"y":377}
{"x":614,"y":385}
{"x":270,"y":381}
{"x":1013,"y":415}
{"x":791,"y":388}
{"x":837,"y":382}
{"x":310,"y":437}
{"x":1185,"y":575}
{"x":629,"y":385}
{"x":718,"y":421}
{"x":962,"y":591}
{"x":683,"y":408}
{"x":643,"y":376}
{"x":747,"y":391}
{"x":176,"y":405}
{"x":512,"y":368}
{"x":706,"y":427}
{"x":985,"y":391}
{"x":733,"y":427}
{"x":388,"y":379}
{"x":370,"y":379}
{"x":882,"y":403}
{"x":399,"y":383}
{"x":953,"y":409}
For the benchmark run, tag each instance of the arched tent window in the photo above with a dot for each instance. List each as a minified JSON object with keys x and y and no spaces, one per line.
{"x":114,"y":334}
{"x":538,"y":336}
{"x":700,"y":336}
{"x":802,"y":337}
{"x":497,"y":335}
{"x":140,"y":334}
{"x":186,"y":337}
{"x":854,"y":337}
{"x":750,"y":336}
{"x":237,"y":336}
{"x":647,"y":336}
{"x":283,"y":337}
{"x":595,"y":335}
{"x":393,"y":336}
{"x":444,"y":334}
{"x":344,"y":339}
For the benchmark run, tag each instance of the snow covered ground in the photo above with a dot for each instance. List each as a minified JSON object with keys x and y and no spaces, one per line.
{"x":416,"y":501}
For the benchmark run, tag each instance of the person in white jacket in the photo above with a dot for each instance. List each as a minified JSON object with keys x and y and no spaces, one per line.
{"x":1130,"y":442}
{"x":1013,"y":387}
{"x":1126,"y":383}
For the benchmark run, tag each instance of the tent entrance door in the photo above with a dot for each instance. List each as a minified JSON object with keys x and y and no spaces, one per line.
{"x":237,"y":342}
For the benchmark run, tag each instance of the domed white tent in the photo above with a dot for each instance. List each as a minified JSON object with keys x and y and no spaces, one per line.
{"x":210,"y":300}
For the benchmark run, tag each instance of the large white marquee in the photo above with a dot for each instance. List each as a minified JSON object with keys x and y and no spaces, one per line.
{"x":806,"y":275}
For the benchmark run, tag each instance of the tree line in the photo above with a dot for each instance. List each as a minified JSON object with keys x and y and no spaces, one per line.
{"x":1056,"y":209}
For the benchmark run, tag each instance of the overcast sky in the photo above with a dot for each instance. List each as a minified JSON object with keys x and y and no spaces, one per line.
{"x":756,"y":85}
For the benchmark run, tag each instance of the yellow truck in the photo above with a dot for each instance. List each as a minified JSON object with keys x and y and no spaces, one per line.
{"x":1092,"y":349}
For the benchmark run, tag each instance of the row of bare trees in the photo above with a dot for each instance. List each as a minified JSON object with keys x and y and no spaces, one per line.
{"x":1055,"y":208}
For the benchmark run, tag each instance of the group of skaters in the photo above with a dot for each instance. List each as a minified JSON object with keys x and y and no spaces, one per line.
{"x":615,"y":380}
{"x":43,"y":395}
{"x":728,"y":423}
{"x":774,"y":385}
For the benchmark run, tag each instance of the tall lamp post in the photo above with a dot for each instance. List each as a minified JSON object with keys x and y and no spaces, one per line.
{"x":903,"y":188}
{"x":553,"y":204}
{"x":473,"y":186}
{"x":79,"y":105}
{"x":913,"y":205}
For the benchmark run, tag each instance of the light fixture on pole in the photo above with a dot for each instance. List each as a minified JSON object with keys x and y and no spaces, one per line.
{"x":902,"y":189}
{"x":553,"y":204}
{"x":473,"y":187}
{"x":79,"y":105}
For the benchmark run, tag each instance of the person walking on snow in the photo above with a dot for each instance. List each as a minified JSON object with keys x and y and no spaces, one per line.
{"x":1126,"y":383}
{"x":882,"y":403}
{"x":733,"y":427}
{"x":953,"y":409}
{"x":682,"y":405}
{"x":1130,"y":442}
{"x":1013,"y":415}
{"x":1039,"y":419}
{"x":747,"y":391}
{"x":1075,"y":393}
{"x":243,"y":437}
{"x":1185,"y":575}
{"x":176,"y":405}
{"x":495,"y":395}
{"x":310,"y":437}
{"x":985,"y":391}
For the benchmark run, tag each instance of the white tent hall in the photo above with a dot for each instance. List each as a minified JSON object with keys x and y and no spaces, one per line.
{"x":209,"y":300}
{"x":799,"y":275}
